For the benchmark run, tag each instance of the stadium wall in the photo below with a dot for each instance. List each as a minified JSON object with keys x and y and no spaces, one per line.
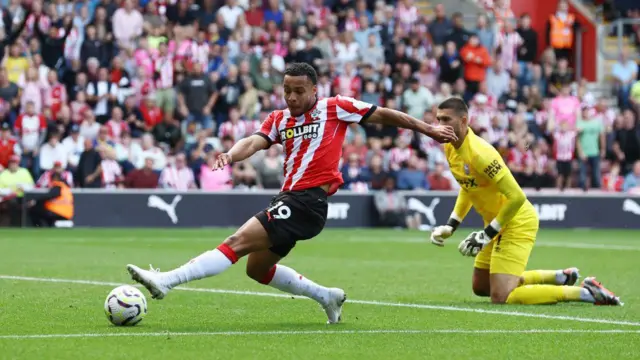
{"x":160,"y":208}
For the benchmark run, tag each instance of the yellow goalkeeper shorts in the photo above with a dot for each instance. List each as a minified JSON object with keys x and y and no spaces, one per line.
{"x":509,"y":252}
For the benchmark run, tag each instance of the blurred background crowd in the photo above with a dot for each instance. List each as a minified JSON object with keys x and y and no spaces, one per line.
{"x":145,"y":93}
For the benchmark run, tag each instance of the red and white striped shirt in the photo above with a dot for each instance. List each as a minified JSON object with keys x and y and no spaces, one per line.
{"x":116,"y":129}
{"x":178,"y":179}
{"x":481,"y":117}
{"x":313,"y":141}
{"x":164,"y":67}
{"x":397,"y":156}
{"x":236,"y":131}
{"x":200,"y":53}
{"x":54,"y":97}
{"x":111,"y":173}
{"x":509,"y":44}
{"x":564,"y":145}
{"x":45,"y":179}
{"x":541,"y":162}
{"x":519,"y":158}
{"x":30,"y":127}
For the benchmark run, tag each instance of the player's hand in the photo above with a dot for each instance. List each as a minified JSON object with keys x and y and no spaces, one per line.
{"x":222,"y":160}
{"x":443,"y":134}
{"x":474,"y":243}
{"x":440,"y":234}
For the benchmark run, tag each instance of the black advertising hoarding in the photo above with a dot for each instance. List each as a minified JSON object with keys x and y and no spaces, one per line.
{"x":158,"y":208}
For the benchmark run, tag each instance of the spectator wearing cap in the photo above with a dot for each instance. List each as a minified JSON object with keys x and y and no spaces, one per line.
{"x":476,"y":60}
{"x":177,"y":176}
{"x":197,"y":97}
{"x":417,"y":99}
{"x":74,"y":143}
{"x":9,"y":146}
{"x":15,"y":179}
{"x":45,"y":179}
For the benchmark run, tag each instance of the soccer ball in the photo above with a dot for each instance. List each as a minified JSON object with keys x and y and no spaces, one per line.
{"x":125,"y":306}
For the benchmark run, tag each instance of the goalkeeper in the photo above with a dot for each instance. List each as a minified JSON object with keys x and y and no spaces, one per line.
{"x":502,"y":249}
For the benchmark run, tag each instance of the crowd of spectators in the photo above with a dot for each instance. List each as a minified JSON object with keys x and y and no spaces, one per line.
{"x":145,"y":94}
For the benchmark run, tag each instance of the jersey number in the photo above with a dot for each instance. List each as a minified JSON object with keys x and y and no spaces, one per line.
{"x":283,"y":211}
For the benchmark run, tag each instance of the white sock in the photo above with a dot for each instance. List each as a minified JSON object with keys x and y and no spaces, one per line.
{"x":208,"y":264}
{"x":585,"y":295}
{"x":561,"y":277}
{"x":288,"y":280}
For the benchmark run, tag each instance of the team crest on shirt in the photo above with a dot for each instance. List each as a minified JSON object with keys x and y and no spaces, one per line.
{"x":465,"y":167}
{"x":306,"y":131}
{"x":315,"y":114}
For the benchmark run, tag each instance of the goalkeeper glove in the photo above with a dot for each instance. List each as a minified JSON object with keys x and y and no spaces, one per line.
{"x":440,"y":234}
{"x":477,"y":240}
{"x":443,"y":232}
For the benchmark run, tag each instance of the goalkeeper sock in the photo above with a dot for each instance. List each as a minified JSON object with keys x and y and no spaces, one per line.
{"x":548,"y":294}
{"x":549,"y":277}
{"x":288,"y":280}
{"x":208,"y":264}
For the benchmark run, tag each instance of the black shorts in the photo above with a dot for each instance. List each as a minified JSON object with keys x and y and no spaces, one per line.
{"x":294,"y":216}
{"x":564,"y":168}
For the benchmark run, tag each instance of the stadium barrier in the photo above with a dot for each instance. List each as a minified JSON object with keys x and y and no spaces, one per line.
{"x":162,"y":208}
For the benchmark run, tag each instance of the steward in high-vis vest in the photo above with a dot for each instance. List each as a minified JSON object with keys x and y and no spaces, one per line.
{"x":55,"y":205}
{"x":561,"y":31}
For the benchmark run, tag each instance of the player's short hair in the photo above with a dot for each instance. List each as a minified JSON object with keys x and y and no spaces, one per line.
{"x":456,"y":104}
{"x":302,"y":69}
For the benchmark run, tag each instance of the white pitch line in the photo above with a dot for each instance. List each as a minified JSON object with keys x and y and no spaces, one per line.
{"x":539,"y":243}
{"x":313,"y":332}
{"x":361,"y":302}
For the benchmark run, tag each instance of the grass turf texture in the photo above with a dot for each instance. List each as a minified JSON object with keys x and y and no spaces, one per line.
{"x":371,"y":265}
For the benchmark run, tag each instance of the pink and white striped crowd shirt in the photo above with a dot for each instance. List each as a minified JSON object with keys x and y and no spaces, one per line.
{"x":111,"y":173}
{"x":177,"y":179}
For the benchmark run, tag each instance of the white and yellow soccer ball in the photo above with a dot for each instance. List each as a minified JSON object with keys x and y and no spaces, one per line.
{"x":125,"y":306}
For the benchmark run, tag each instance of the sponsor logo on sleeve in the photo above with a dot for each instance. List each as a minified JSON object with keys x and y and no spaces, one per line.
{"x":493,"y":169}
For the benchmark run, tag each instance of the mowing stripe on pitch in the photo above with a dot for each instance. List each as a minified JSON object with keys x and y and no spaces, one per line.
{"x":362,"y":302}
{"x":313,"y":332}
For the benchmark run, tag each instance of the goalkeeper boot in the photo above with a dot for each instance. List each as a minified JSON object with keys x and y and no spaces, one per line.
{"x":333,"y":309}
{"x":151,"y":280}
{"x":601,"y":294}
{"x":572,"y":276}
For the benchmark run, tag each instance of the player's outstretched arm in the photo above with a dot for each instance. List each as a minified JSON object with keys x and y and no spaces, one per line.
{"x":386,"y":116}
{"x":242,"y":150}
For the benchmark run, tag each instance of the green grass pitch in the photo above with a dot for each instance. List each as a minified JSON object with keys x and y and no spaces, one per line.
{"x":411,"y":300}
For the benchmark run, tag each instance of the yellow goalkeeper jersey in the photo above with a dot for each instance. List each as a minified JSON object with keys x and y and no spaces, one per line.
{"x":478,"y":168}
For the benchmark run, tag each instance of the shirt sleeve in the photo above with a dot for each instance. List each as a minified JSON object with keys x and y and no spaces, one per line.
{"x":489,"y":164}
{"x":353,"y":111}
{"x":269,"y":128}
